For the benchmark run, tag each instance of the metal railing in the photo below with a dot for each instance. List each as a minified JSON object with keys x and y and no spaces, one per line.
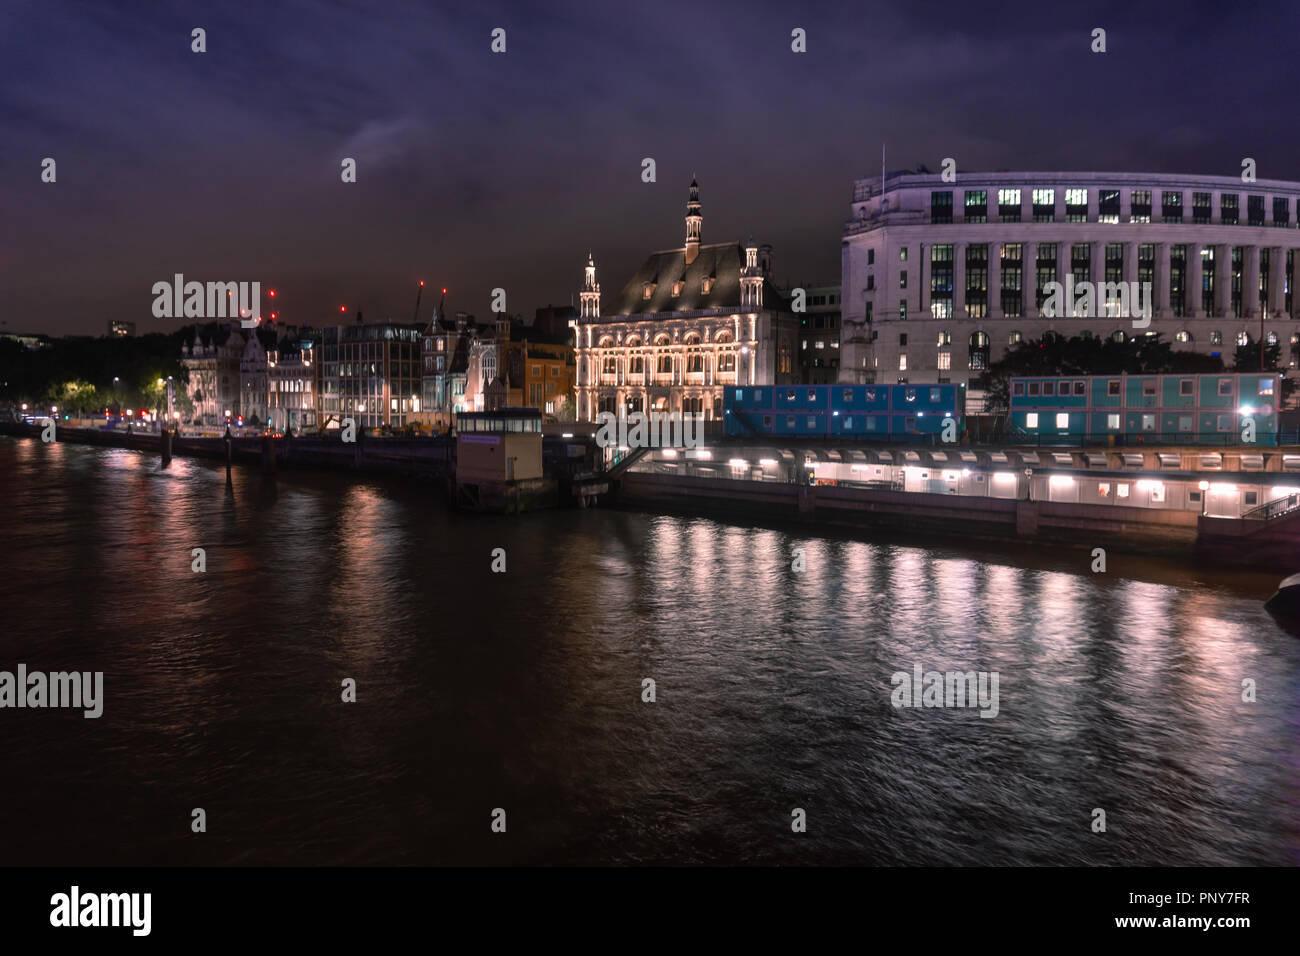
{"x":1274,"y":509}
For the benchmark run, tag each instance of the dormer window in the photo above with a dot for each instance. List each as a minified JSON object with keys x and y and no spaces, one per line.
{"x":648,"y":290}
{"x":708,"y":284}
{"x":677,"y":288}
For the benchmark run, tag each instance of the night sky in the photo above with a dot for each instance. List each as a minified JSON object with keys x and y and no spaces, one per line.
{"x":478,"y":170}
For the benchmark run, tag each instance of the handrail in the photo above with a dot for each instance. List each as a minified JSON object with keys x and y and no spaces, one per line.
{"x":1275,"y":508}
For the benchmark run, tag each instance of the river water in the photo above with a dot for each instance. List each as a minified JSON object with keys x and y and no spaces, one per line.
{"x":523,"y":690}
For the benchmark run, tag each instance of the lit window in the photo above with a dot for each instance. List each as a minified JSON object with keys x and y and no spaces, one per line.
{"x":902,"y":363}
{"x":1062,"y":419}
{"x":1031,"y":420}
{"x":1112,"y":422}
{"x":945,"y":361}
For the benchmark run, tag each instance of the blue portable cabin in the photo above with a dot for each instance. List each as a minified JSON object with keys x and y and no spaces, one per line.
{"x":854,"y":411}
{"x":1186,"y":409}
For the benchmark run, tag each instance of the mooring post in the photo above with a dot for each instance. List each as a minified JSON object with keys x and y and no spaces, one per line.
{"x":229,"y":441}
{"x":165,"y":443}
{"x":268,"y":455}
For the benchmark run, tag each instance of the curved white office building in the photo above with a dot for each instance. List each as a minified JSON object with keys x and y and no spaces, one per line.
{"x":941,"y":278}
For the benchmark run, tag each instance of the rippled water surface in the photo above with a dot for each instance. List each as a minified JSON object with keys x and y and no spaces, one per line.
{"x":522,"y":690}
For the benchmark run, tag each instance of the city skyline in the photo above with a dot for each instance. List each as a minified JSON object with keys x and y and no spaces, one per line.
{"x":478,"y":170}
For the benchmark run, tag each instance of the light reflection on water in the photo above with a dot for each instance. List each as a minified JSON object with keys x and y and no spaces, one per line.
{"x":523,"y":690}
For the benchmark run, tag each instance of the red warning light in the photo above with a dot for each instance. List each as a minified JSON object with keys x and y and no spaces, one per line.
{"x":343,"y":308}
{"x":273,"y":293}
{"x":444,"y":291}
{"x":421,"y":282}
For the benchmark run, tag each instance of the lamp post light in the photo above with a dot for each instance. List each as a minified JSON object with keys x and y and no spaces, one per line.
{"x":1204,"y":487}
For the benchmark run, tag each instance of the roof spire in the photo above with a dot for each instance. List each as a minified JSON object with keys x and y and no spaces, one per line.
{"x":694,"y":222}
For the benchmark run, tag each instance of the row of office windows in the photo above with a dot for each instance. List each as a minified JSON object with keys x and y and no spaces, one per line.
{"x":1010,"y":206}
{"x":1045,"y":269}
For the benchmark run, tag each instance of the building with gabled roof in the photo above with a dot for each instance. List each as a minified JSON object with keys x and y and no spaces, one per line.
{"x":689,"y":322}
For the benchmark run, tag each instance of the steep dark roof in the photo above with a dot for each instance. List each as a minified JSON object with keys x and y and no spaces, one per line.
{"x":721,"y":261}
{"x":460,"y":359}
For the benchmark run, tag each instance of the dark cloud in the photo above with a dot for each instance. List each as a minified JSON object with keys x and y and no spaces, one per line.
{"x":478,"y":170}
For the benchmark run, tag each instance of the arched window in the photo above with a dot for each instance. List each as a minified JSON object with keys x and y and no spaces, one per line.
{"x":1015,"y":338}
{"x":1118,"y":336}
{"x":1271,"y":338}
{"x":1243,"y":338}
{"x":1182,"y":335}
{"x":1051,"y":336}
{"x":724,"y":335}
{"x":979,"y":350}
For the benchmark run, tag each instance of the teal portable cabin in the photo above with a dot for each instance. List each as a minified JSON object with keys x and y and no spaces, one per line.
{"x":1220,"y":408}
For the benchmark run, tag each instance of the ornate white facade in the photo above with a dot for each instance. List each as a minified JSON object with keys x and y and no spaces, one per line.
{"x":690,"y":322}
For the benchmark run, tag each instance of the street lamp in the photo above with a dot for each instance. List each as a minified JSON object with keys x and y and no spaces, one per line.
{"x":1204,"y":487}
